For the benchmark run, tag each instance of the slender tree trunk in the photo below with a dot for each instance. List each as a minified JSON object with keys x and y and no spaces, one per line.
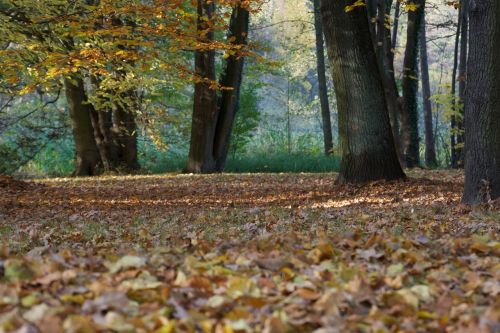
{"x":410,"y":89}
{"x":322,"y":88}
{"x":213,"y":117}
{"x":385,"y":56}
{"x":453,"y":120}
{"x":228,"y":103}
{"x":482,"y":104}
{"x":430,"y":145}
{"x":462,"y":79}
{"x":366,"y":141}
{"x":394,"y":38}
{"x":88,"y":161}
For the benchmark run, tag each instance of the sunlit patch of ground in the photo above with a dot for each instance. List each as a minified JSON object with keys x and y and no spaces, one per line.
{"x":270,"y":253}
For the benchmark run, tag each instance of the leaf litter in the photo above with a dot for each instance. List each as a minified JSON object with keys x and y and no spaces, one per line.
{"x":247,"y":253}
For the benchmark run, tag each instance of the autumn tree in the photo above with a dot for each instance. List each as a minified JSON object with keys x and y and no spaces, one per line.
{"x":215,"y":106}
{"x":101,"y":51}
{"x":411,"y":140}
{"x":482,"y":104}
{"x":366,"y":141}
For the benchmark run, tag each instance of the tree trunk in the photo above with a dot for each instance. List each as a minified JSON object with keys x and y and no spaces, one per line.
{"x":231,"y":77}
{"x":430,"y":150}
{"x":409,"y":118}
{"x":201,"y":159}
{"x":108,"y":150}
{"x":322,"y":88}
{"x":385,"y":56}
{"x":453,"y":120}
{"x":482,"y":104}
{"x":462,"y":79}
{"x":394,"y":38}
{"x":125,"y":131}
{"x":88,"y":161}
{"x":366,"y":141}
{"x":213,"y":117}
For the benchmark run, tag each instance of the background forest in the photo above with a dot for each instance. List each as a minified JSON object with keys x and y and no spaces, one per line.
{"x":279,"y":113}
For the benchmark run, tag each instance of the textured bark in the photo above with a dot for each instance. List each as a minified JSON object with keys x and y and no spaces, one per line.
{"x":411,"y":141}
{"x":88,"y":161}
{"x":228,"y":103}
{"x":482,"y":104}
{"x":430,"y":150}
{"x":213,"y":116}
{"x":125,"y":131}
{"x":201,"y":159}
{"x":385,"y":56}
{"x":366,"y":141}
{"x":108,"y":150}
{"x":322,"y":87}
{"x":115,"y":132}
{"x":462,"y":79}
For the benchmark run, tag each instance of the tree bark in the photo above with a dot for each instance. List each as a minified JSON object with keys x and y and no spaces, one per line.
{"x":228,"y":103}
{"x":115,"y":132}
{"x":366,"y":141}
{"x":409,"y":117}
{"x":453,"y":120}
{"x":201,"y":159}
{"x":482,"y":104}
{"x":88,"y":161}
{"x":322,"y":87}
{"x":213,"y":116}
{"x":385,"y":56}
{"x":462,"y":80}
{"x":125,"y":131}
{"x":430,"y":150}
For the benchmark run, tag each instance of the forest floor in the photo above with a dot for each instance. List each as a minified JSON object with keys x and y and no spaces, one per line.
{"x":268,"y":253}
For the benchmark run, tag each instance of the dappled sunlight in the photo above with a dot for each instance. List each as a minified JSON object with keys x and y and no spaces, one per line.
{"x":155,"y":195}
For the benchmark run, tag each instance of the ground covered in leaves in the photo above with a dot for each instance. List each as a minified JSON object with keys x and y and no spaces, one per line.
{"x":247,"y":253}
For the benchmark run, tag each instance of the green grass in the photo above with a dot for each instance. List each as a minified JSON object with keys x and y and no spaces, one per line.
{"x":282,"y":162}
{"x":57,"y":160}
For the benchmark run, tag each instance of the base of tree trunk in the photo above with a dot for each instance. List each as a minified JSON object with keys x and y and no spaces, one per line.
{"x":362,"y":169}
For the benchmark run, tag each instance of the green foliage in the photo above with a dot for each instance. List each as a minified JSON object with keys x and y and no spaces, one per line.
{"x":247,"y":119}
{"x":449,"y":103}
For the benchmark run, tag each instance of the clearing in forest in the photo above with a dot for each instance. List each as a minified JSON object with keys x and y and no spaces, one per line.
{"x":247,"y":253}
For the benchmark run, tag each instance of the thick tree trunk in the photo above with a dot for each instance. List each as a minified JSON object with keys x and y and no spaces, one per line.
{"x":228,"y":103}
{"x":366,"y":141}
{"x":88,"y":161}
{"x":201,"y":159}
{"x":430,"y":150}
{"x":462,"y":79}
{"x":108,"y":150}
{"x":125,"y":132}
{"x":482,"y":104}
{"x":213,"y":117}
{"x":409,"y":117}
{"x":322,"y":87}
